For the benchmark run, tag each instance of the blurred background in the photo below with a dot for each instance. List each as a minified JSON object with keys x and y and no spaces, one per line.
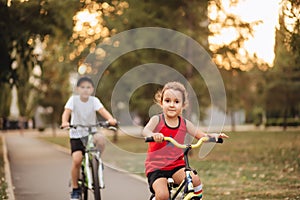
{"x":255,"y":44}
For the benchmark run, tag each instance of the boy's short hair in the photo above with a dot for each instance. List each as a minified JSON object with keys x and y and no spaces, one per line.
{"x":84,"y":79}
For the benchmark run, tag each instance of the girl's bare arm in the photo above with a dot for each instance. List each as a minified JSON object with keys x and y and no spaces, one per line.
{"x":197,"y":133}
{"x":194,"y":131}
{"x":149,"y":128}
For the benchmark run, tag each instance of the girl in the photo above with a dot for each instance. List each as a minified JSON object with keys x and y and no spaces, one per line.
{"x":163,"y":160}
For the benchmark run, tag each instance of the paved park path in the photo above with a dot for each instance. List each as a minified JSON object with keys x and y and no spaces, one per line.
{"x":42,"y":172}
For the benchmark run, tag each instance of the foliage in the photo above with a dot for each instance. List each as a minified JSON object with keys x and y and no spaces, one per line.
{"x":283,"y":83}
{"x":21,"y":25}
{"x":231,"y":54}
{"x":3,"y":189}
{"x":294,"y":122}
{"x":5,"y":99}
{"x":90,"y":26}
{"x":291,"y":12}
{"x":233,"y":59}
{"x":66,"y":42}
{"x":189,"y":17}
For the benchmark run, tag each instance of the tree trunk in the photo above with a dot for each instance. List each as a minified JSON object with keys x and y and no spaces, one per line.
{"x":232,"y":120}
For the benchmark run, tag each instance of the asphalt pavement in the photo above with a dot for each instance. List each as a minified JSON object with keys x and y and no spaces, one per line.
{"x":42,"y":172}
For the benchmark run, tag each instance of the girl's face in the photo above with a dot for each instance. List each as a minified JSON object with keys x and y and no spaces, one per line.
{"x":85,"y":89}
{"x":172,"y":103}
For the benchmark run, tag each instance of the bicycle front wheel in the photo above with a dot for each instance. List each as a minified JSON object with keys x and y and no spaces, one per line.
{"x":83,"y":185}
{"x":95,"y":165}
{"x":84,"y":192}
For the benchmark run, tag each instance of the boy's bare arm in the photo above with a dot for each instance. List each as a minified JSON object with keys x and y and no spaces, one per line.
{"x":104,"y":113}
{"x":66,"y":117}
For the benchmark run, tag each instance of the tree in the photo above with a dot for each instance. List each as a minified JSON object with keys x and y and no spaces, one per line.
{"x":22,"y":24}
{"x":290,"y":13}
{"x":5,"y":99}
{"x":283,"y":85}
{"x":189,"y":17}
{"x":232,"y":57}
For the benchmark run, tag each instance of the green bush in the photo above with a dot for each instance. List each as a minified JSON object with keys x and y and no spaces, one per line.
{"x":280,"y":122}
{"x":257,"y":115}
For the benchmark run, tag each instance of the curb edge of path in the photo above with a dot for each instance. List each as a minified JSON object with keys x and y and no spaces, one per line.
{"x":8,"y":178}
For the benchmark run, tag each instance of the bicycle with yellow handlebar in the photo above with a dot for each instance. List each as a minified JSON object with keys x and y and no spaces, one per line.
{"x":185,"y":190}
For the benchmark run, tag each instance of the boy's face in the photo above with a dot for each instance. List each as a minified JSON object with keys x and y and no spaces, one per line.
{"x":85,"y":89}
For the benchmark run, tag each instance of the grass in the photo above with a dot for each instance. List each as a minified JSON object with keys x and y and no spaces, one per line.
{"x":249,"y":165}
{"x":3,"y":184}
{"x":253,"y":165}
{"x":62,"y":141}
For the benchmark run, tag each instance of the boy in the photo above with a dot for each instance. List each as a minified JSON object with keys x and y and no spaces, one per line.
{"x":82,"y":109}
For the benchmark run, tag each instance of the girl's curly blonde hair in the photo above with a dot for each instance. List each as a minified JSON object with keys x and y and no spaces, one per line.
{"x":175,"y":86}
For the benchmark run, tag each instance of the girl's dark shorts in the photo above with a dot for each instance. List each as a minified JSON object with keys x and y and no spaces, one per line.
{"x":77,"y":144}
{"x":152,"y":176}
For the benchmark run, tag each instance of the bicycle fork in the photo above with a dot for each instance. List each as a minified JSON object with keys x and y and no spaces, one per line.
{"x":88,"y":171}
{"x":189,"y":187}
{"x":100,"y":170}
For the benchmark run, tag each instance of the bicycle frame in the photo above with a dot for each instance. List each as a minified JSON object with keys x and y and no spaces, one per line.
{"x":90,"y":153}
{"x":186,"y":185}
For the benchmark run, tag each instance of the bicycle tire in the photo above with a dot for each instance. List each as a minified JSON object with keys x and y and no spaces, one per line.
{"x":96,"y":185}
{"x":83,"y":186}
{"x":84,"y":192}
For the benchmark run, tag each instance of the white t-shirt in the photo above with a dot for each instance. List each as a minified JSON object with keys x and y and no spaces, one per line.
{"x":83,"y":113}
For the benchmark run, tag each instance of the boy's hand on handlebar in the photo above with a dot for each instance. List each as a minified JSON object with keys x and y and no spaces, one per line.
{"x":112,"y":122}
{"x":64,"y":125}
{"x":158,"y":137}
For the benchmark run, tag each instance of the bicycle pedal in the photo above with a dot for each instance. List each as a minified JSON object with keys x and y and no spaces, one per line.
{"x":170,"y":182}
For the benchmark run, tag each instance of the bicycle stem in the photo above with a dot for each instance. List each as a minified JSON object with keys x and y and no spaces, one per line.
{"x":186,"y":157}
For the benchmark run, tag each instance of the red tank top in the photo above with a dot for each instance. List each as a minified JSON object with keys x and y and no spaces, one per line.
{"x":165,"y":156}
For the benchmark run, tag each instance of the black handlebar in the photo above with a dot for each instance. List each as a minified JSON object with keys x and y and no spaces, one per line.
{"x":104,"y":124}
{"x":211,"y":139}
{"x":149,"y":139}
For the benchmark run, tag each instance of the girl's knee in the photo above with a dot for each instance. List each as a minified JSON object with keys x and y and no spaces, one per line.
{"x":161,"y":195}
{"x":196,"y":180}
{"x":160,"y":189}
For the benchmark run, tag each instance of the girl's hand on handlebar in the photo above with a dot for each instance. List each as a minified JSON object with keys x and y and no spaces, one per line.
{"x":218,"y":135}
{"x":223,"y":135}
{"x":158,"y":137}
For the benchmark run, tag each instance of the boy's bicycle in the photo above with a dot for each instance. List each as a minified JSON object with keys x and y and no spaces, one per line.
{"x":91,"y":176}
{"x":185,"y":190}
